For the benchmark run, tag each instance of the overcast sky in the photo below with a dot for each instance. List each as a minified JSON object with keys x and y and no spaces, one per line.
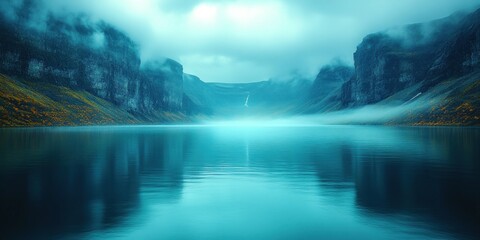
{"x":253,"y":40}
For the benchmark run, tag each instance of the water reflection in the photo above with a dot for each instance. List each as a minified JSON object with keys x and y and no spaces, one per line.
{"x":439,"y":189}
{"x":92,"y":181}
{"x":58,"y":182}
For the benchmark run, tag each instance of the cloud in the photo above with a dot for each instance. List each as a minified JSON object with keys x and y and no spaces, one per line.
{"x":244,"y":41}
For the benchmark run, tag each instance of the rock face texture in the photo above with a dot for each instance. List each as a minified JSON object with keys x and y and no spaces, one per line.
{"x":384,"y":67}
{"x":427,"y":72}
{"x":329,"y":79}
{"x":161,"y":86}
{"x":390,"y":61}
{"x":460,"y":54}
{"x":94,"y":57}
{"x":325,"y":93}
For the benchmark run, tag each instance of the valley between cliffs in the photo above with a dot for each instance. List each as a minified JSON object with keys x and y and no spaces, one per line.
{"x":81,"y":72}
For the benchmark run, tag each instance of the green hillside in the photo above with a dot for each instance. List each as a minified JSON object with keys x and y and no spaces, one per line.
{"x":41,"y":104}
{"x":453,"y":102}
{"x":461,"y":105}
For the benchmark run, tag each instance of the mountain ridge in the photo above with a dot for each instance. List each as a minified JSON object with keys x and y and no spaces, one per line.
{"x":434,"y":65}
{"x":388,"y":63}
{"x":63,"y":54}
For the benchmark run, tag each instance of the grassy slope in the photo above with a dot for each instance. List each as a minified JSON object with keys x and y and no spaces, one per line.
{"x":35,"y":104}
{"x":460,"y":106}
{"x":455,"y":102}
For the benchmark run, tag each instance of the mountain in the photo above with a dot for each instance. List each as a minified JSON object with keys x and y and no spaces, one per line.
{"x":324,"y":93}
{"x":272,"y":98}
{"x":96,"y":58}
{"x":69,"y":70}
{"x":389,"y":61}
{"x":433,"y":67}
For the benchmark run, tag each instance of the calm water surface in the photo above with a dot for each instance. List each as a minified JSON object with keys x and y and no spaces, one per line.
{"x":326,"y":182}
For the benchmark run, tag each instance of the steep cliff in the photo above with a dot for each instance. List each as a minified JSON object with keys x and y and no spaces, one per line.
{"x":326,"y":88}
{"x":460,"y":54}
{"x":390,"y":61}
{"x":161,"y":86}
{"x":79,"y":54}
{"x":329,"y":79}
{"x":427,"y":72}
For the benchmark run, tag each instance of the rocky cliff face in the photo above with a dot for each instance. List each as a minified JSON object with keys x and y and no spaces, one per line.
{"x":460,"y":54}
{"x":393,"y":60}
{"x":383,"y":67}
{"x":329,"y":79}
{"x":94,"y":57}
{"x":429,"y":72}
{"x":161,"y":86}
{"x":326,"y":88}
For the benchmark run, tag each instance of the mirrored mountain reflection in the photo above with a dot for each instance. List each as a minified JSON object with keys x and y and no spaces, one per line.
{"x":59,"y":183}
{"x":393,"y":182}
{"x":428,"y":178}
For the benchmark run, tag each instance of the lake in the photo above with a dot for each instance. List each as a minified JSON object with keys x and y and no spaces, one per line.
{"x":234,"y":182}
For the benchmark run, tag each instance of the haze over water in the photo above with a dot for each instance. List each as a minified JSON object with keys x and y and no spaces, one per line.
{"x":233,"y":182}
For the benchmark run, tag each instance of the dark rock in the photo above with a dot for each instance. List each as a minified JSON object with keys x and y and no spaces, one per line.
{"x":460,"y":55}
{"x":390,"y":61}
{"x":329,"y":79}
{"x":95,"y":57}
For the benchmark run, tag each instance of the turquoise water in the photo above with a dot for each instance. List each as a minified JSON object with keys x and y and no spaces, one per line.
{"x":227,"y":182}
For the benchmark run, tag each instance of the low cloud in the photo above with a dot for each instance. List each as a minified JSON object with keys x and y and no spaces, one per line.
{"x":382,"y":114}
{"x":245,"y":41}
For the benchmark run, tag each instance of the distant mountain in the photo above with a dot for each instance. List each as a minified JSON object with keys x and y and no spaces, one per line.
{"x":272,"y":98}
{"x":324,"y":93}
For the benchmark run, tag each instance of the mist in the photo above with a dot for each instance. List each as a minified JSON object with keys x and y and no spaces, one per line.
{"x":247,"y":41}
{"x":380,"y":114}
